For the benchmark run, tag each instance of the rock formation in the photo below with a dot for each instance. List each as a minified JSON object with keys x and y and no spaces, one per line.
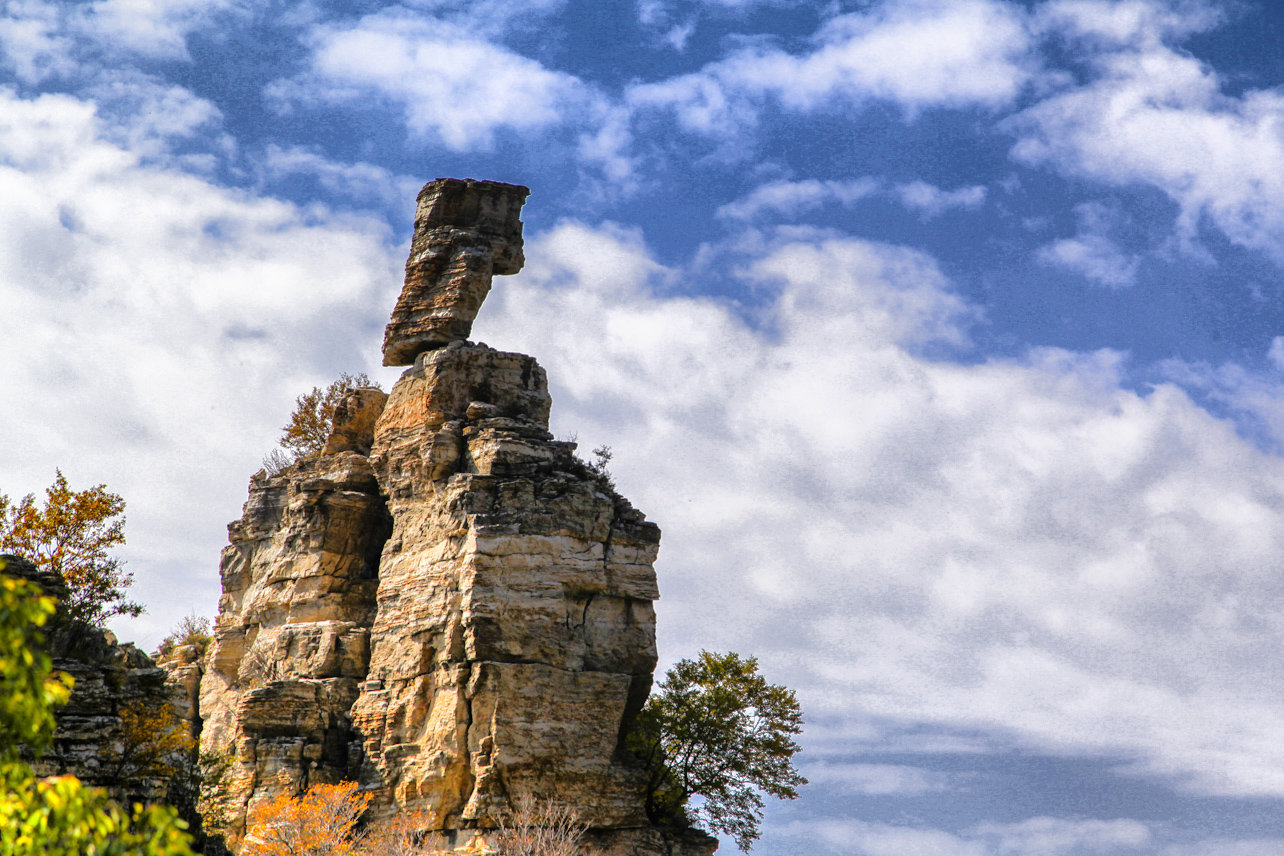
{"x":447,"y":605}
{"x":109,"y":679}
{"x":465,"y":231}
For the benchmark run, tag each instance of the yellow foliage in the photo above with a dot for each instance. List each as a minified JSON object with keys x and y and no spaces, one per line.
{"x":71,"y":535}
{"x":155,"y":742}
{"x":309,"y":426}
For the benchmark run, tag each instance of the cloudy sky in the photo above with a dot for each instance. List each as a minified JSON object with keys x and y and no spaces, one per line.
{"x":943,"y":338}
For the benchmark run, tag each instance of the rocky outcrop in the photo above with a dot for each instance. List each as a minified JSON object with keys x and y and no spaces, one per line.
{"x":448,"y":605}
{"x":291,"y":642}
{"x":514,"y":635}
{"x":465,"y":231}
{"x":110,"y":678}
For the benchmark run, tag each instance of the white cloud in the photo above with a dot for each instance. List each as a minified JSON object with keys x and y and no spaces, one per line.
{"x":1092,"y":253}
{"x":917,"y":54}
{"x":792,"y":198}
{"x":1039,"y":836}
{"x":159,"y":329}
{"x":357,"y":181}
{"x":451,"y":85}
{"x":1050,"y":836}
{"x":157,"y":29}
{"x":1155,"y":115}
{"x":1020,"y":548}
{"x":876,"y":779}
{"x":930,"y":201}
{"x":40,"y":39}
{"x":32,"y":43}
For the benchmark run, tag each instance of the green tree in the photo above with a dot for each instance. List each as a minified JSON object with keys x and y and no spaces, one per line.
{"x":309,"y":426}
{"x":716,"y":729}
{"x":70,"y":535}
{"x":57,"y":816}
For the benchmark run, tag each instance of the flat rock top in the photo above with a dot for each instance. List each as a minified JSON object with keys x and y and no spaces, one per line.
{"x":489,"y":207}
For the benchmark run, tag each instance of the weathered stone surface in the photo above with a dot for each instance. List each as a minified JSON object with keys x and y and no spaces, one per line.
{"x":465,"y":231}
{"x":515,"y":635}
{"x":291,"y":642}
{"x":354,"y":421}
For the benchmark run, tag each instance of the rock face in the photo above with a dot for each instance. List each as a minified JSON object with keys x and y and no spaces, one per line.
{"x":292,"y":639}
{"x":448,"y":606}
{"x":465,"y":231}
{"x":109,"y":678}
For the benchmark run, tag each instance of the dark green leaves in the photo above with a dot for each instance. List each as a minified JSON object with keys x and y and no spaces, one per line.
{"x":716,"y":729}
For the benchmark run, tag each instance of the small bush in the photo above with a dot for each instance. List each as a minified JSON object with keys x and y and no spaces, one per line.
{"x":192,"y":630}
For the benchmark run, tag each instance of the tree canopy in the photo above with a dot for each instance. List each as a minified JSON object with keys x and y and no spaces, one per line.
{"x":717,"y":730}
{"x":70,"y":534}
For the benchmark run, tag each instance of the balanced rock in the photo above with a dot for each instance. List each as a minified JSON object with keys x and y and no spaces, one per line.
{"x":447,"y":605}
{"x":465,"y":231}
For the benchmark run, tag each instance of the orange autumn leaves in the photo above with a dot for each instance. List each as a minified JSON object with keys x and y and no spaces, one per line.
{"x":322,"y":822}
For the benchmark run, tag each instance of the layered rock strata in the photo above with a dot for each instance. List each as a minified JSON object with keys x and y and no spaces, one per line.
{"x":514,"y":637}
{"x":465,"y":231}
{"x":447,"y":606}
{"x":292,"y":639}
{"x":110,"y":678}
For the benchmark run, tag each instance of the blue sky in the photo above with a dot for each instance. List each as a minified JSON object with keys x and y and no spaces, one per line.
{"x":944,"y":340}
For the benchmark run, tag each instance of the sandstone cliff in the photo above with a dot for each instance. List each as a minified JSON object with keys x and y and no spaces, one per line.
{"x":447,"y":606}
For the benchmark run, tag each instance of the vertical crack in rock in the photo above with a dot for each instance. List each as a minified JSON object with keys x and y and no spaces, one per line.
{"x":506,"y":638}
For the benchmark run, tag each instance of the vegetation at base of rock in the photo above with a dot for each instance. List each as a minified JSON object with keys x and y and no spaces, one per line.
{"x":192,"y":630}
{"x":321,"y":822}
{"x":539,"y":828}
{"x":56,"y":816}
{"x":305,"y":434}
{"x":717,"y":730}
{"x":70,"y":535}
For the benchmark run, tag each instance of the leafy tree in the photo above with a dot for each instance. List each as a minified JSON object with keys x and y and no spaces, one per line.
{"x":70,"y":535}
{"x":57,"y":816}
{"x":309,"y":426}
{"x":154,"y":743}
{"x":322,"y":822}
{"x":716,"y":729}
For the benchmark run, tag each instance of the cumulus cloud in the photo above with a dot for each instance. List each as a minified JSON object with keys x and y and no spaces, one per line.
{"x":1092,"y":253}
{"x":876,"y":779}
{"x":791,"y":198}
{"x":1039,"y":836}
{"x":159,"y":329}
{"x":931,"y":201}
{"x":1153,"y":114}
{"x":451,"y":85}
{"x":1022,"y":548}
{"x":40,"y":39}
{"x":916,"y":54}
{"x":356,"y":181}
